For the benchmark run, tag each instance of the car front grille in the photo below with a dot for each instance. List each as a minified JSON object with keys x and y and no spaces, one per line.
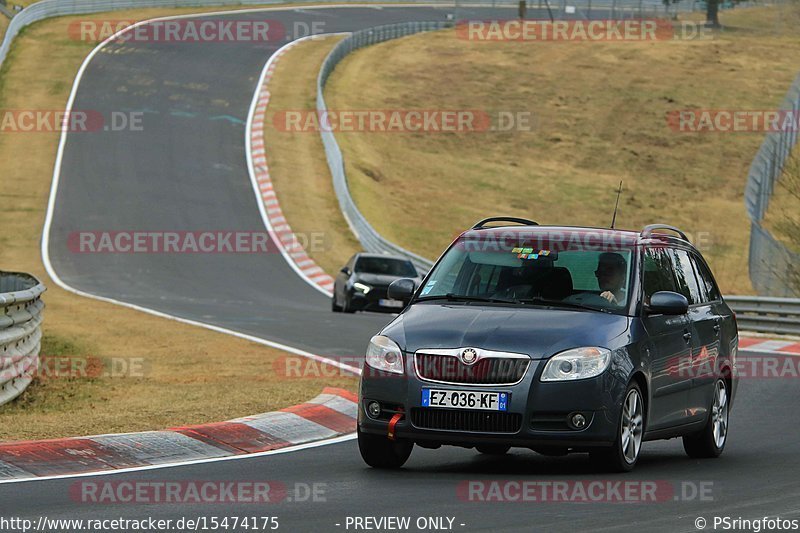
{"x":462,"y":420}
{"x":488,"y":371}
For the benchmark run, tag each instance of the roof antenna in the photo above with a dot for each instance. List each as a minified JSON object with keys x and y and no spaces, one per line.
{"x":614,"y":218}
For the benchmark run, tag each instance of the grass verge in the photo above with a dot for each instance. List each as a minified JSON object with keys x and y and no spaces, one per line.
{"x":297,"y":163}
{"x":600,"y":112}
{"x":186,"y":375}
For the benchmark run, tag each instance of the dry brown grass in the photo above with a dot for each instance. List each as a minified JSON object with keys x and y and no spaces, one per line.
{"x":297,"y":160}
{"x":783,"y":216}
{"x":3,"y":25}
{"x":191,"y":375}
{"x":600,"y":110}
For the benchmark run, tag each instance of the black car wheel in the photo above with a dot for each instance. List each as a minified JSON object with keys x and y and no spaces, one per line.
{"x":380,"y":452}
{"x":347,"y":307}
{"x":624,"y":453}
{"x":336,"y":308}
{"x":710,"y":441}
{"x":493,"y":449}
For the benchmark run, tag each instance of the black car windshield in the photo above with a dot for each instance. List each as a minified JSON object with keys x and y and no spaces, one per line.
{"x":535,"y":273}
{"x":400,"y":268}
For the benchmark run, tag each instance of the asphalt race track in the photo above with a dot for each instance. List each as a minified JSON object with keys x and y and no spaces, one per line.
{"x":756,"y":476}
{"x":187,"y":171}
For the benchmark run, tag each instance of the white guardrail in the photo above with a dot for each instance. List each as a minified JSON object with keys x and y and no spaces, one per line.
{"x":370,"y":239}
{"x":766,"y":315}
{"x":20,"y":332}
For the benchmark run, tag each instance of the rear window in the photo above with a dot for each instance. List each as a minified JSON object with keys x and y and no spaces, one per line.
{"x":684,"y":275}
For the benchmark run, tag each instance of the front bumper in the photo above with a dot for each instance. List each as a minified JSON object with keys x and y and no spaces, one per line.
{"x":372,"y":301}
{"x":543,"y":410}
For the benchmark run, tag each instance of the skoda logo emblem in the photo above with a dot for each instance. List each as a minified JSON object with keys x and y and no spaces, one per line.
{"x":469,"y":356}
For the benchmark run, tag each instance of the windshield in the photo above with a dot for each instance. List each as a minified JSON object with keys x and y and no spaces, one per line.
{"x":385,"y":266}
{"x":521,"y":274}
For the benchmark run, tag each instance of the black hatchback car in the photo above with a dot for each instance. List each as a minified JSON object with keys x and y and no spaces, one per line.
{"x":558,"y":339}
{"x":362,"y":283}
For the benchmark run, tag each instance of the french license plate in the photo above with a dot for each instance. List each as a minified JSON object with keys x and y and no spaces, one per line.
{"x":391,"y":303}
{"x":457,"y":399}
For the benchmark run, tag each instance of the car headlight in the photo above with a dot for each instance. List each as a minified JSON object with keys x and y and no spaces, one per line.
{"x":361,"y":287}
{"x":384,"y":354}
{"x":578,"y":363}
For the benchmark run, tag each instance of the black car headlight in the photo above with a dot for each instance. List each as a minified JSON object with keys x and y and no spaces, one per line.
{"x":577,"y":363}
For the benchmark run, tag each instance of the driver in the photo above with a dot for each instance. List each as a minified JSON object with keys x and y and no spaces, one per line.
{"x":611,"y":270}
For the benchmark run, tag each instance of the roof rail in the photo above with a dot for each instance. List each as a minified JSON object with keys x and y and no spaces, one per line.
{"x":522,"y":221}
{"x":649,"y":229}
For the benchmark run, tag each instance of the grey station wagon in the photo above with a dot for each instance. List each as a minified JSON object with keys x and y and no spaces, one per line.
{"x":557,"y":339}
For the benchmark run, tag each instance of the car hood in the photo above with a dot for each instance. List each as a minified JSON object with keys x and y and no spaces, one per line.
{"x":537,"y":331}
{"x":377,"y":280}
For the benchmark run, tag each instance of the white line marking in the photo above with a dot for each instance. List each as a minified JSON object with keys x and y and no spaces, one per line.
{"x":288,"y":449}
{"x":249,"y":144}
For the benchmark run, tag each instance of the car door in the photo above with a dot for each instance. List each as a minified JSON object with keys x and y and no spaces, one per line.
{"x":717,"y":315}
{"x":703,"y":341}
{"x":669,"y":345}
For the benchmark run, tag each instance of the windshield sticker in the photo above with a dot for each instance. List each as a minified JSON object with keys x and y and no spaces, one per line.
{"x":428,"y":287}
{"x":528,"y":253}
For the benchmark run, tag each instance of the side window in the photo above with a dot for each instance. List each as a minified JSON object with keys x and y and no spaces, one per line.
{"x":706,"y":280}
{"x":685,"y":278}
{"x":657,"y":272}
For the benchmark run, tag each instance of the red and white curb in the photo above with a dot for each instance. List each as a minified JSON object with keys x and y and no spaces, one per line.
{"x":756,"y":344}
{"x":331,"y":414}
{"x":278,"y":226}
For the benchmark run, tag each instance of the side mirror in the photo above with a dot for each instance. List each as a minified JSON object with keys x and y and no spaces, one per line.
{"x":401,"y":289}
{"x":345,"y":270}
{"x":668,"y":303}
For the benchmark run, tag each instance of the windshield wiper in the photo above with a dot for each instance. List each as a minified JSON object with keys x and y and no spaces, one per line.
{"x":560,"y":303}
{"x":452,"y":297}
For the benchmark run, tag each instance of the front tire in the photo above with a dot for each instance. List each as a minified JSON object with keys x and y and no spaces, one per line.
{"x":380,"y":452}
{"x":624,"y":453}
{"x":336,"y":308}
{"x":710,"y":441}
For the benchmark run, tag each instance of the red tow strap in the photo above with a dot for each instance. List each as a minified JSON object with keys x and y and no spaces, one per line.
{"x":392,"y":423}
